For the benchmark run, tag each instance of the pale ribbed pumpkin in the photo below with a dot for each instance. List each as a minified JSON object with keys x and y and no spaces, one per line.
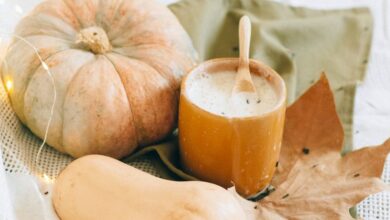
{"x":117,"y":67}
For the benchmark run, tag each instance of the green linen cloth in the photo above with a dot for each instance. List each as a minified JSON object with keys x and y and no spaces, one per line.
{"x":299,"y":43}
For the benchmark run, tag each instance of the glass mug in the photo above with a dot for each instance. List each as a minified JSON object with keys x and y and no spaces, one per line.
{"x":239,"y":151}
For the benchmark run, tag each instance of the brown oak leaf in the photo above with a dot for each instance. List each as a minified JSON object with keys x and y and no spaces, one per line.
{"x":312,"y":128}
{"x":326,"y":187}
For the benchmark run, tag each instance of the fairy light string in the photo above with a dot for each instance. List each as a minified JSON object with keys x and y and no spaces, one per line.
{"x":9,"y":87}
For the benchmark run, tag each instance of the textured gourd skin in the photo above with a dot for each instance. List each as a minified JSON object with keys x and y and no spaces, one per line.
{"x":117,"y":67}
{"x":98,"y":187}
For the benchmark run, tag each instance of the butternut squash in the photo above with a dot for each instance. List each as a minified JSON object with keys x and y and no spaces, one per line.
{"x":98,"y":187}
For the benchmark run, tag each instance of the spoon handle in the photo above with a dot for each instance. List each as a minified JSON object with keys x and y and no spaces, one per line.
{"x":243,"y":82}
{"x":245,"y":39}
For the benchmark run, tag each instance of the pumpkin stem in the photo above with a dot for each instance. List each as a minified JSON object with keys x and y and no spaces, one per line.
{"x":95,"y":38}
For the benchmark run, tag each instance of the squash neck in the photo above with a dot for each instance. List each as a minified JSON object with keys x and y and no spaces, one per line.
{"x":95,"y":39}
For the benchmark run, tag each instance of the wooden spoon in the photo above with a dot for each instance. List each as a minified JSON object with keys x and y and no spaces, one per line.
{"x":243,"y":82}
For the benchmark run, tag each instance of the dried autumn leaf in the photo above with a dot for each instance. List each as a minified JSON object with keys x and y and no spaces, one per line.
{"x":314,"y":180}
{"x":326,"y":187}
{"x":312,"y":128}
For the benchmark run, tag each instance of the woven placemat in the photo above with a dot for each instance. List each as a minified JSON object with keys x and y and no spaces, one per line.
{"x":377,"y":206}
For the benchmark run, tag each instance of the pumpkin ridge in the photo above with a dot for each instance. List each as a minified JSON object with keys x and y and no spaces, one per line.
{"x":153,"y":67}
{"x":118,"y":33}
{"x":42,"y":35}
{"x":66,"y":95}
{"x":31,"y":75}
{"x":153,"y":105}
{"x":127,"y":97}
{"x":71,"y":11}
{"x":19,"y":29}
{"x":61,"y":147}
{"x":186,"y":57}
{"x":88,"y":140}
{"x":32,"y":64}
{"x":61,"y":11}
{"x":101,"y":24}
{"x":165,"y":46}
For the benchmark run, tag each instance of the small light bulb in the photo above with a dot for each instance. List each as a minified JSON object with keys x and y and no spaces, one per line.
{"x":45,"y":66}
{"x":9,"y":85}
{"x":44,"y":182}
{"x":46,"y":178}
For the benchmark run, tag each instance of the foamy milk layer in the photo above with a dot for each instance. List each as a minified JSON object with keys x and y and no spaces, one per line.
{"x":213,"y":93}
